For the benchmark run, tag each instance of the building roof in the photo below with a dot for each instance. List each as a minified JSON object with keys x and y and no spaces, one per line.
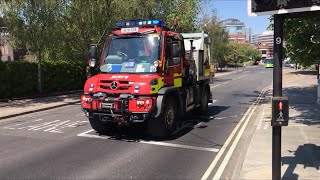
{"x":232,"y":22}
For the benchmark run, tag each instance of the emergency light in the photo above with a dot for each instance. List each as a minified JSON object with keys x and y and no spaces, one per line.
{"x":139,"y":23}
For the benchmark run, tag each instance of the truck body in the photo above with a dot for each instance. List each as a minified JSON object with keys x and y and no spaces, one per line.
{"x":144,"y":75}
{"x":201,"y":49}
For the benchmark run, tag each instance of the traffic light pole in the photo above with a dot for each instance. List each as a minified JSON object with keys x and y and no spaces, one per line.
{"x":277,"y":92}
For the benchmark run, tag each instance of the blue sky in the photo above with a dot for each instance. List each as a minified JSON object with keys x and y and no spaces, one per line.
{"x":238,"y":9}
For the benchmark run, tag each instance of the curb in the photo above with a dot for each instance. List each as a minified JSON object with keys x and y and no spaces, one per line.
{"x":245,"y":146}
{"x":42,"y":95}
{"x":38,"y":110}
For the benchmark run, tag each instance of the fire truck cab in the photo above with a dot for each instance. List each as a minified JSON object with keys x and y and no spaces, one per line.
{"x":145,"y":75}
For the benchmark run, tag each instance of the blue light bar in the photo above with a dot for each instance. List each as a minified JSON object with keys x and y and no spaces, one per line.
{"x":139,"y":23}
{"x":120,"y":24}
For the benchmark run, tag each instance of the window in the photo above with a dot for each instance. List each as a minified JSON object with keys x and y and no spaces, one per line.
{"x":264,"y":52}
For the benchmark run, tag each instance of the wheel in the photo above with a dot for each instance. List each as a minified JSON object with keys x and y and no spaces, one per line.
{"x":100,"y":126}
{"x":204,"y":102}
{"x":165,"y":124}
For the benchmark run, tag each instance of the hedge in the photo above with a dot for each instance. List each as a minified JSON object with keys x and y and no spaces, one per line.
{"x":20,"y":78}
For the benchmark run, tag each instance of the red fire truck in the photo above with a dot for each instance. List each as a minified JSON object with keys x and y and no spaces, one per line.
{"x":145,"y":75}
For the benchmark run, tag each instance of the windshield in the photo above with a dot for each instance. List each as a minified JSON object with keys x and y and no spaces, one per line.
{"x":131,"y":54}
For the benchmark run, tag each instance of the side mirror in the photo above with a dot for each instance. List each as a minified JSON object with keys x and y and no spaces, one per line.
{"x":92,"y":55}
{"x":93,"y":52}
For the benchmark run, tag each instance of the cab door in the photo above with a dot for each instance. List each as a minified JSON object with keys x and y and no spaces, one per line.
{"x":168,"y":78}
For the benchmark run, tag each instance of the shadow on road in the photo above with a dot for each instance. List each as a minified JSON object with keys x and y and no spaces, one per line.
{"x":184,"y":126}
{"x":307,"y":155}
{"x":253,"y":97}
{"x":304,"y":72}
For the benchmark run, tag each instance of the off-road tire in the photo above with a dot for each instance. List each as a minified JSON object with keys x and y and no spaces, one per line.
{"x":204,"y":102}
{"x":162,"y":126}
{"x":100,"y":126}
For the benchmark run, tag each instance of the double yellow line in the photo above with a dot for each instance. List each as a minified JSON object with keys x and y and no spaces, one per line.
{"x":245,"y":120}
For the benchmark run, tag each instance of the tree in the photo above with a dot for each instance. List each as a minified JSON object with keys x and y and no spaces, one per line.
{"x":302,"y":37}
{"x":64,"y":29}
{"x":33,"y":23}
{"x":219,"y":38}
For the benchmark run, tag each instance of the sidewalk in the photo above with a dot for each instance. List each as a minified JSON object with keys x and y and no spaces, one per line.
{"x":300,"y":140}
{"x":20,"y":107}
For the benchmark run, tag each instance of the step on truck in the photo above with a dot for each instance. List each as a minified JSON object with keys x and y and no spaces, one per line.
{"x":144,"y":75}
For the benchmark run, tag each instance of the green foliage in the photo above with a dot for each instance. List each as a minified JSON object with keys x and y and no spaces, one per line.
{"x":244,"y":52}
{"x":302,"y":38}
{"x":219,"y":38}
{"x":64,"y":29}
{"x":63,"y":75}
{"x":19,"y":78}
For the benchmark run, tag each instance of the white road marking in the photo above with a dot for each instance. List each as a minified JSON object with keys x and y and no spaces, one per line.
{"x":235,"y":142}
{"x":213,"y":101}
{"x":85,"y":134}
{"x":228,"y":81}
{"x":240,"y":77}
{"x":216,"y":86}
{"x":224,"y":147}
{"x":11,"y":127}
{"x":216,"y":159}
{"x":259,"y":125}
{"x":54,"y":126}
{"x":180,"y":146}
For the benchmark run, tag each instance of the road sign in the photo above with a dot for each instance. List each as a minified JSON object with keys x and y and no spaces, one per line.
{"x":270,"y":7}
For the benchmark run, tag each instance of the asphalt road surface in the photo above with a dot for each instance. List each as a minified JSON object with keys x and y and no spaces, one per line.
{"x":60,"y":144}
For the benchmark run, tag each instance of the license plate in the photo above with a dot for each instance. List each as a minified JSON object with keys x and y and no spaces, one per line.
{"x":129,"y":30}
{"x":107,"y":105}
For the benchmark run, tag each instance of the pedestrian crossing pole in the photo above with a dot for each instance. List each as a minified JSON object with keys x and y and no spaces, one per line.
{"x":277,"y":92}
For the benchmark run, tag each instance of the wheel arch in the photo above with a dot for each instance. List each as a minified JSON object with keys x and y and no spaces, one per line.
{"x":165,"y":93}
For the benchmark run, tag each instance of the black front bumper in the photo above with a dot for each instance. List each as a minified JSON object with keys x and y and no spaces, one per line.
{"x":122,"y":114}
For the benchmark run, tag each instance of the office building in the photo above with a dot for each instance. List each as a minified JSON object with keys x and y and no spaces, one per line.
{"x":237,"y":31}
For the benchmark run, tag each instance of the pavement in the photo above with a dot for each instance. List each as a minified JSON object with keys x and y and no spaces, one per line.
{"x":59,"y":143}
{"x":300,"y":140}
{"x":25,"y":106}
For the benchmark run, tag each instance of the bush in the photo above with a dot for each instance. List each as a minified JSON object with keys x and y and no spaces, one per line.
{"x":62,"y":75}
{"x":20,"y":78}
{"x":17,"y":78}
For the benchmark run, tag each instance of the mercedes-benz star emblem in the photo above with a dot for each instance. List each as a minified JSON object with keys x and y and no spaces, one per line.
{"x":113,"y":85}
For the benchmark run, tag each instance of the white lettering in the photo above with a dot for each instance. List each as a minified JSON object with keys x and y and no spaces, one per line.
{"x":119,"y":77}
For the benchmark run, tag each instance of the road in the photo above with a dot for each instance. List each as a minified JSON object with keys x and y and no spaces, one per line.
{"x":59,"y":143}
